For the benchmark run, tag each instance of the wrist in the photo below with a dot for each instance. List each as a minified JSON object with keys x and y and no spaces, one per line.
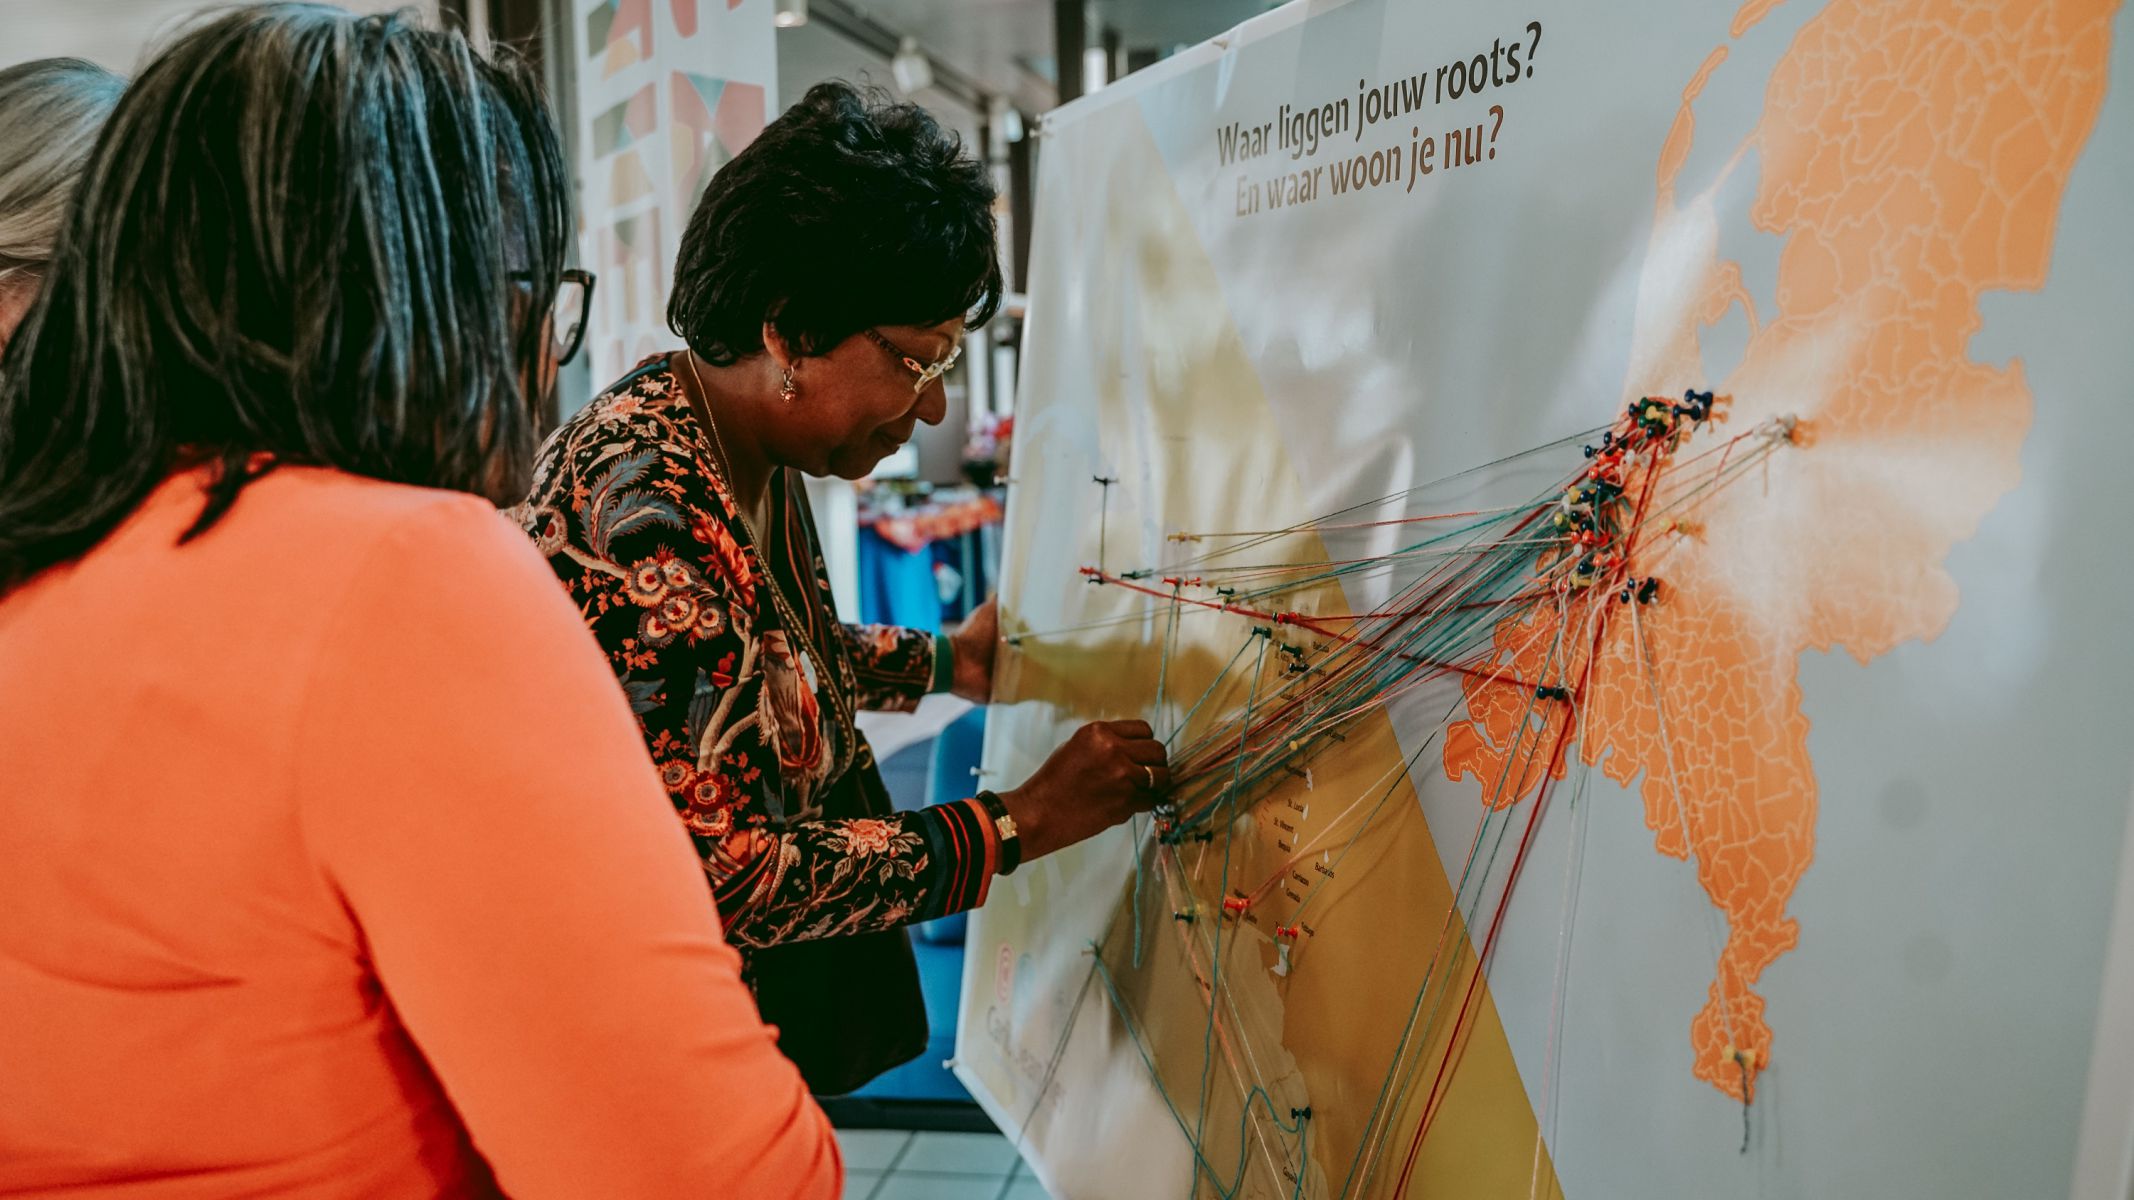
{"x":1029,"y":818}
{"x":1007,"y":832}
{"x":944,"y":674}
{"x":970,"y":670}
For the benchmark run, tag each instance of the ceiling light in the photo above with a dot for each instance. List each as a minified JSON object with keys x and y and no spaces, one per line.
{"x":790,"y":13}
{"x":910,"y":68}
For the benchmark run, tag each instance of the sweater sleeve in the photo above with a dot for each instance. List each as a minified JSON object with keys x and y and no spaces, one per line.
{"x":472,"y":783}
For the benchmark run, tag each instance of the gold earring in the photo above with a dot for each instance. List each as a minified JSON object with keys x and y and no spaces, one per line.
{"x":789,"y":391}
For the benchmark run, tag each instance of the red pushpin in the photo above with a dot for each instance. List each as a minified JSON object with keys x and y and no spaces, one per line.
{"x":1284,"y":937}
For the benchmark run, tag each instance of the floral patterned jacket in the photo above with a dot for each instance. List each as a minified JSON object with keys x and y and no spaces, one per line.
{"x":748,"y":719}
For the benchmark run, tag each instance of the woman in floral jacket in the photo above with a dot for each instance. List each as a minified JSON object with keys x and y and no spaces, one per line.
{"x":823,"y":287}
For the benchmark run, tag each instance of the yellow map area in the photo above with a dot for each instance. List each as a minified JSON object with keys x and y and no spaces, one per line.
{"x":1912,"y":154}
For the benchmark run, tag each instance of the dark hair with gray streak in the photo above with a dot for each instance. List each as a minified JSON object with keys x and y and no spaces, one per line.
{"x":50,"y":111}
{"x":304,"y":237}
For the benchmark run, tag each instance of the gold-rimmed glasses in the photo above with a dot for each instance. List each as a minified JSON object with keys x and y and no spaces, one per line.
{"x":923,"y":373}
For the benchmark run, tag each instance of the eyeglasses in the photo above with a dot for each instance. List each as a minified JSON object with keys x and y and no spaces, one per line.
{"x":923,"y":373}
{"x":567,"y":313}
{"x":574,"y":304}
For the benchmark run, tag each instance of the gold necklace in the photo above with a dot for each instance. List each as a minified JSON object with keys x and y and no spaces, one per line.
{"x":701,"y":407}
{"x":847,"y":683}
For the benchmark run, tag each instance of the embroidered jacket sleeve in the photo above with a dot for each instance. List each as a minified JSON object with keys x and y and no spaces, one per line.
{"x":896,"y":666}
{"x":647,"y":548}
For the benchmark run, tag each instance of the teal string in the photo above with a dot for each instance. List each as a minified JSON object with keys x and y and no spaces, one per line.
{"x":1258,"y":1094}
{"x":1215,"y":965}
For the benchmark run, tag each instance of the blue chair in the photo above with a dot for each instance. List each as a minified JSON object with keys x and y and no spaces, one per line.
{"x":938,"y":944}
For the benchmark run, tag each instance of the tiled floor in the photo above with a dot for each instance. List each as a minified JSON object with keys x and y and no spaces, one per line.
{"x":893,"y":1164}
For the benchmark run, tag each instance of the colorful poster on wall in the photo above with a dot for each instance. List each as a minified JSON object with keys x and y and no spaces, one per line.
{"x":1608,"y":506}
{"x":668,"y":91}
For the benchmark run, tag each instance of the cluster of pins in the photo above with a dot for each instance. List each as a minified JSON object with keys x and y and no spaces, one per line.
{"x":1285,"y":936}
{"x":1594,"y":511}
{"x":1235,"y":908}
{"x":1170,"y":831}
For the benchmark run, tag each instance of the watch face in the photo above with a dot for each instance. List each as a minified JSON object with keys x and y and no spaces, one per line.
{"x":1005,"y":826}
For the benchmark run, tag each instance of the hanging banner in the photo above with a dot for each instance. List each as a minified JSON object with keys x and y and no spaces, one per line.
{"x":668,"y":92}
{"x":1615,"y":511}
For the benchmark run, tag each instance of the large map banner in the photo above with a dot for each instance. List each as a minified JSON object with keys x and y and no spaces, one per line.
{"x":1617,"y":509}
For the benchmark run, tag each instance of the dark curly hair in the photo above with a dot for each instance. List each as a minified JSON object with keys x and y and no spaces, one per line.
{"x":847,"y":212}
{"x":327,"y":239}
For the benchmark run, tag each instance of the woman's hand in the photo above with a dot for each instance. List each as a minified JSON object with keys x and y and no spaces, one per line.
{"x":974,"y":643}
{"x":1105,"y":773}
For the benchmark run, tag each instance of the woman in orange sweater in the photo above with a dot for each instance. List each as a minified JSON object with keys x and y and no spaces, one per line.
{"x":315,"y":876}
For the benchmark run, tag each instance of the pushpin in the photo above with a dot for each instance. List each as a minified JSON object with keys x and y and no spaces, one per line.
{"x":1285,"y":936}
{"x":1747,"y":1058}
{"x":1236,"y":904}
